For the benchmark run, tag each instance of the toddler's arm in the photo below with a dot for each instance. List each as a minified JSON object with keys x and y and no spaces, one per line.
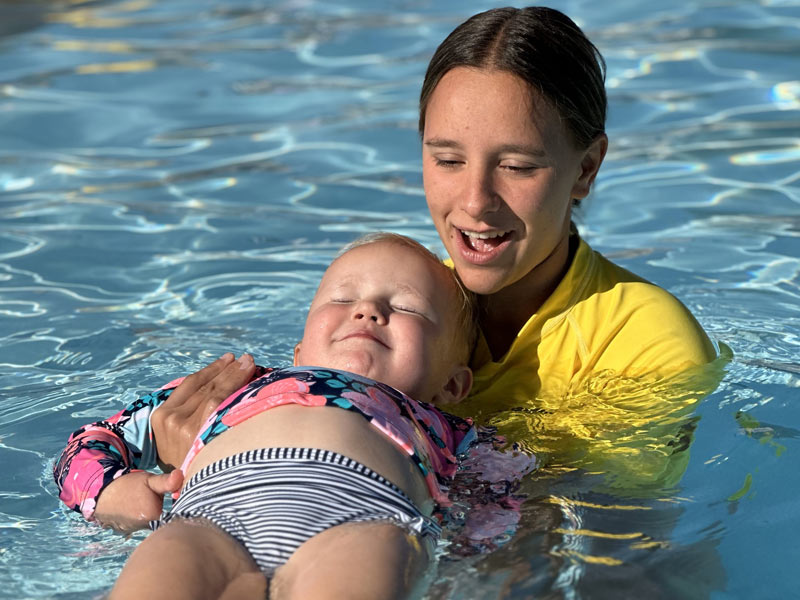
{"x":108,"y":451}
{"x":131,"y":501}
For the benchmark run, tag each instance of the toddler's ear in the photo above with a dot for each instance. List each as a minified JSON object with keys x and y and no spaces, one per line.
{"x":296,"y":354}
{"x":456,"y":388}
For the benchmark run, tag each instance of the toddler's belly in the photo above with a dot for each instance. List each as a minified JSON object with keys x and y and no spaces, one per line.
{"x":325,"y":427}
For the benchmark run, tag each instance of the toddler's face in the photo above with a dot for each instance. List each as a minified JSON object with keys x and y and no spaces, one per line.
{"x":385,"y":312}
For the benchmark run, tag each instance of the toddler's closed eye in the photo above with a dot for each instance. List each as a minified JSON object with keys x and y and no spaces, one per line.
{"x":406,"y":309}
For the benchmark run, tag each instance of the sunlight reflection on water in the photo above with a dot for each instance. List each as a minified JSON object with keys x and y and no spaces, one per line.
{"x":174,"y":177}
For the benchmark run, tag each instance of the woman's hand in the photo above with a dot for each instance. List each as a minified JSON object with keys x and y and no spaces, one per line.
{"x":130,"y":502}
{"x":177,"y":422}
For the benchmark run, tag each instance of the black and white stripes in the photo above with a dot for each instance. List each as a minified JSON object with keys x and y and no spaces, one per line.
{"x":274,"y":499}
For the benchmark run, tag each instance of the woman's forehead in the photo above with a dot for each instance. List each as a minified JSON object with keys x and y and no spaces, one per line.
{"x":466,"y":97}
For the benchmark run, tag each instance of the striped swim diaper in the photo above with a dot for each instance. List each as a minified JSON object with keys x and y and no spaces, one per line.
{"x":273,"y":499}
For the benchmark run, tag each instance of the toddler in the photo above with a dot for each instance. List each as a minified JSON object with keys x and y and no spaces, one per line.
{"x":334,"y":502}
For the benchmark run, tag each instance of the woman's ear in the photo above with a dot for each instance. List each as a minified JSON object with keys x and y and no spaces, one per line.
{"x":296,"y":354}
{"x":457,"y":387}
{"x":590,"y":164}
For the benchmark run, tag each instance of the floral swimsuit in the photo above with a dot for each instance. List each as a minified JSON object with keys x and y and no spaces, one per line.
{"x":98,"y":453}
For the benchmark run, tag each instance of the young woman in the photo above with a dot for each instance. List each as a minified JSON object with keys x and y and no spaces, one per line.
{"x":512,"y":119}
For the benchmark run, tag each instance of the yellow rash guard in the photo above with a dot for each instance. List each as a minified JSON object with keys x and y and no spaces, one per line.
{"x":602,"y":377}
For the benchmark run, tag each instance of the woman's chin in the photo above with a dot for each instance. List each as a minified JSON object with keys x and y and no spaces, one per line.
{"x":481,"y":280}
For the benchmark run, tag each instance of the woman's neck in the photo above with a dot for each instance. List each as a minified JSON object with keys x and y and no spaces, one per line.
{"x":505,"y":312}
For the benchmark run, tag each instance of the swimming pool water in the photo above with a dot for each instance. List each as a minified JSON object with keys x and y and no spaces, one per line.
{"x":175,"y":175}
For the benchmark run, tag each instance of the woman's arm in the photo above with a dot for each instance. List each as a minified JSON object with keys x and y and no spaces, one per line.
{"x":178,"y":421}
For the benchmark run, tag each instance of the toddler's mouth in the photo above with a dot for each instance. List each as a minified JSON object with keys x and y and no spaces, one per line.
{"x":365,"y":335}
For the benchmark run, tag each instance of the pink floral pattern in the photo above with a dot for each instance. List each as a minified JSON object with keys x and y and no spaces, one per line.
{"x":98,"y":453}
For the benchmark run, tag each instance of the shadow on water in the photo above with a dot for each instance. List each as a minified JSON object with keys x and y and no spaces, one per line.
{"x":19,"y":16}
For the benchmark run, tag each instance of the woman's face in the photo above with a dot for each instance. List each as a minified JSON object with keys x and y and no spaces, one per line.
{"x":500,"y":173}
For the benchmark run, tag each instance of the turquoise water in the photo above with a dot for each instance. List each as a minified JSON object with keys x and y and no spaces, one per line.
{"x":175,"y":175}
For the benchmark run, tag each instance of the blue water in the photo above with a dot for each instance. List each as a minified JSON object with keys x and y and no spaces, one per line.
{"x":175,"y":175}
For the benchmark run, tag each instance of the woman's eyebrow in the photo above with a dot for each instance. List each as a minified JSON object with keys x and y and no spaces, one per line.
{"x":441,"y":143}
{"x":521,"y":149}
{"x":505,"y":148}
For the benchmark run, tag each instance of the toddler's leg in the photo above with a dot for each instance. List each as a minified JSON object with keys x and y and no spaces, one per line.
{"x":355,"y":561}
{"x":189,"y":560}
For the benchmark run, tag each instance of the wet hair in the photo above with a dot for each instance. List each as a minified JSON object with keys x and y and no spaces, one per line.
{"x":466,"y":308}
{"x":541,"y":46}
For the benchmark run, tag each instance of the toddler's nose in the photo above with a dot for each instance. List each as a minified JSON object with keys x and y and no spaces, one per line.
{"x":369,"y":310}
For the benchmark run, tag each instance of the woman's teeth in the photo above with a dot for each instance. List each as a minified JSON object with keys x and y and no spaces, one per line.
{"x":483,"y":242}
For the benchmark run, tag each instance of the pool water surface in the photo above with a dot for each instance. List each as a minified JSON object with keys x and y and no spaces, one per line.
{"x":175,"y":176}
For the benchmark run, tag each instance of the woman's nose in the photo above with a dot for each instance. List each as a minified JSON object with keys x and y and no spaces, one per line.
{"x":479,"y":196}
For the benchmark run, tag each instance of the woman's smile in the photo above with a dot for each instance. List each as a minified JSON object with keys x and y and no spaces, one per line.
{"x":482,"y":247}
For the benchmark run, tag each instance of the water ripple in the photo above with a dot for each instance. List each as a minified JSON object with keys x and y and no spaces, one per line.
{"x":174,"y":177}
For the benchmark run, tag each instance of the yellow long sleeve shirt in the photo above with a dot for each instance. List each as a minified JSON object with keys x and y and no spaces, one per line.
{"x":601,"y":377}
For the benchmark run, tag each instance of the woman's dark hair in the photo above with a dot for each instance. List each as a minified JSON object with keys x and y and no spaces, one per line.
{"x":541,"y":46}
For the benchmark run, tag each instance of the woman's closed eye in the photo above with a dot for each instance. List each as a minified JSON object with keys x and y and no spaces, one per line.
{"x":518,"y":168}
{"x":447,"y":163}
